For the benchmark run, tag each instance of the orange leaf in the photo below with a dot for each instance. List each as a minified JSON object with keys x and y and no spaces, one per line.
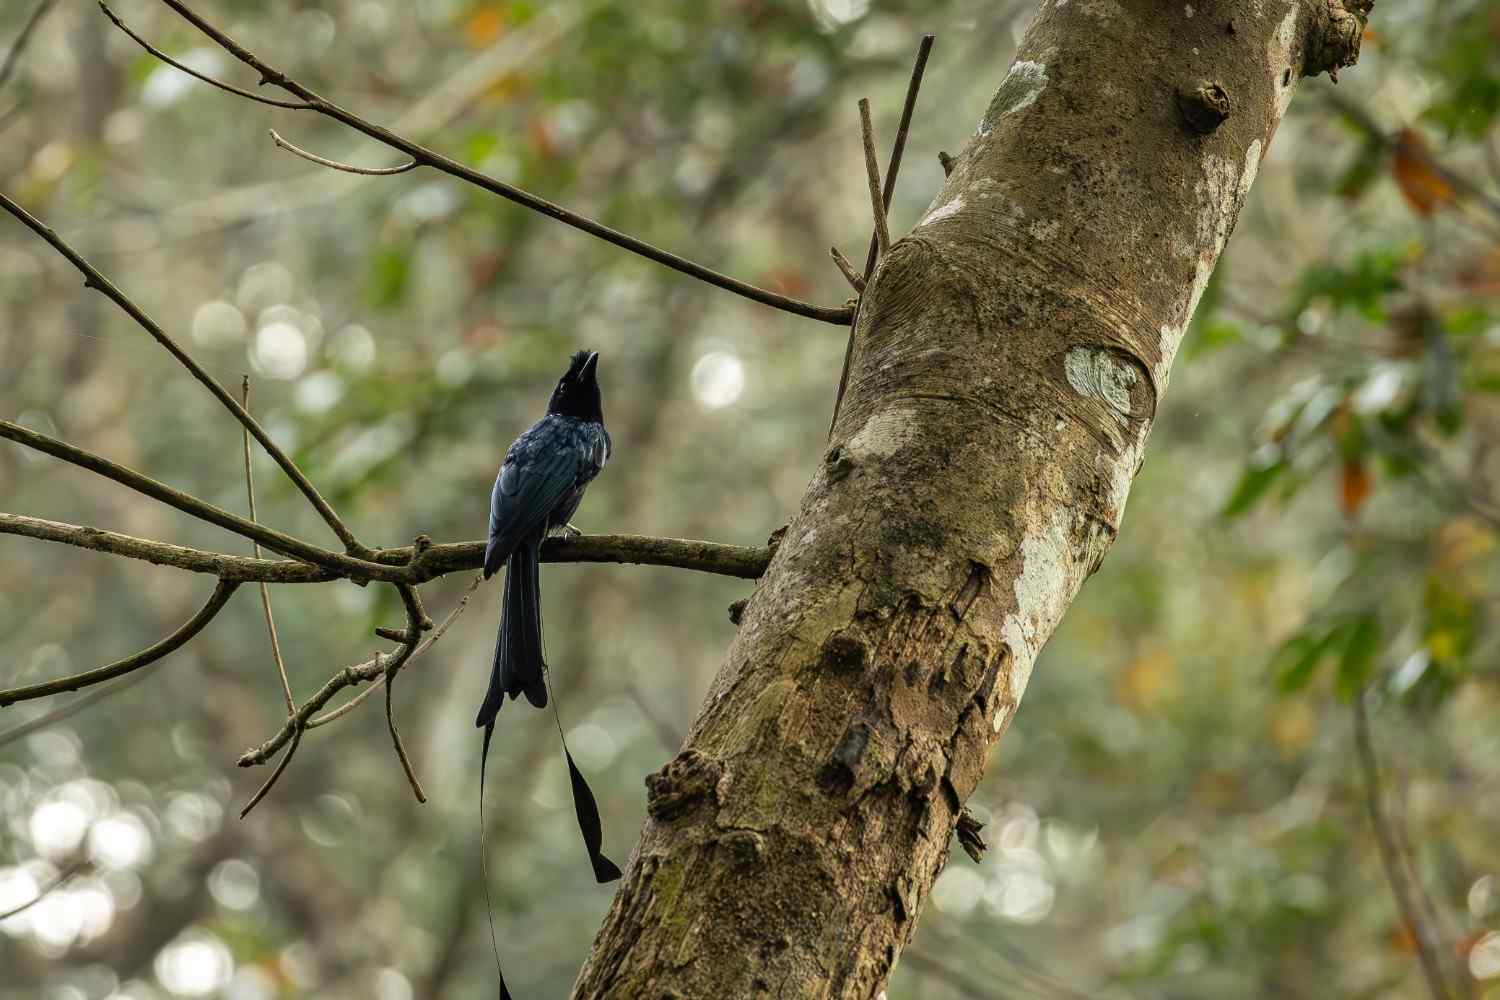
{"x":1424,"y":187}
{"x":482,"y":27}
{"x":1355,"y":486}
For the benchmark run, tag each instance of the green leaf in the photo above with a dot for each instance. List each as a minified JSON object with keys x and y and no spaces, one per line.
{"x":1253,"y":484}
{"x":1360,"y":647}
{"x":1297,"y":660}
{"x":389,"y":269}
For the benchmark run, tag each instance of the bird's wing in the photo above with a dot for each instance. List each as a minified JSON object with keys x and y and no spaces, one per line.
{"x":531,"y":484}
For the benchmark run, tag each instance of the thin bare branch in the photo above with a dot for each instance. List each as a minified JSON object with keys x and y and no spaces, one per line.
{"x":93,"y":278}
{"x":390,"y":719}
{"x":269,"y":783}
{"x":846,"y":268}
{"x":416,"y":623}
{"x":265,"y":590}
{"x":423,"y":156}
{"x":63,"y":879}
{"x":1390,"y":858}
{"x":893,"y":167}
{"x":222,"y":592}
{"x":872,"y":174}
{"x":230,"y":88}
{"x":74,"y":706}
{"x":377,"y":669}
{"x":347,"y":168}
{"x":17,"y":47}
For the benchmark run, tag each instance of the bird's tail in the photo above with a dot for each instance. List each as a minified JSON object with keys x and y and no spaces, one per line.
{"x":519,"y":664}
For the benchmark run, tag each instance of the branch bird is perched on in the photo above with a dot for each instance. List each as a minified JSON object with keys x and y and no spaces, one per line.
{"x":540,"y":485}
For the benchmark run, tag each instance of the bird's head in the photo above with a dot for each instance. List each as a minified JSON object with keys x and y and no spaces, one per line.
{"x":577,"y":392}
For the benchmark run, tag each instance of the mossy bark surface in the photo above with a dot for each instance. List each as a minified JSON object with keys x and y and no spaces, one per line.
{"x":1010,"y":356}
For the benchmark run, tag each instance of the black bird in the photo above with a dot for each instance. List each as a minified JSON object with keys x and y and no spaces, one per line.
{"x":537,"y":491}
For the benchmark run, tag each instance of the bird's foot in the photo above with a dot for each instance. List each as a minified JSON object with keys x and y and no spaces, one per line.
{"x":568,"y":531}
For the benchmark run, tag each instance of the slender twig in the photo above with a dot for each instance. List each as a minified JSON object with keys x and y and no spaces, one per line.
{"x":265,"y":591}
{"x":390,"y":719}
{"x":93,"y":278}
{"x":872,"y":174}
{"x":265,"y":788}
{"x":846,"y":268}
{"x":423,"y":156}
{"x":63,"y":879}
{"x":248,"y":95}
{"x":222,"y":592}
{"x":416,"y":623}
{"x":893,"y":167}
{"x":1389,"y":856}
{"x":347,"y":168}
{"x":74,"y":706}
{"x":352,"y":703}
{"x":398,"y":565}
{"x":13,"y":57}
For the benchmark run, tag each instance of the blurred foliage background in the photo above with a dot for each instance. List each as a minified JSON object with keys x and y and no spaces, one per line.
{"x":1178,"y":810}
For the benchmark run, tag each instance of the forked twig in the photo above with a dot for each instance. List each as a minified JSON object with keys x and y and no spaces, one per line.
{"x":352,"y":703}
{"x":269,"y":783}
{"x":913,"y":87}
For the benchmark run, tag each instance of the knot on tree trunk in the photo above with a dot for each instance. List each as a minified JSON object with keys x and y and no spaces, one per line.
{"x":1334,"y":36}
{"x":687,"y":778}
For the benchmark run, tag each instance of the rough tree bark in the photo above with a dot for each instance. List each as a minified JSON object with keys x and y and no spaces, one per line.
{"x":1010,"y":356}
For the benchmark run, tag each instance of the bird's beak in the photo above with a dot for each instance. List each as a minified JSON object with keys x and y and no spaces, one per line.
{"x":589,"y":372}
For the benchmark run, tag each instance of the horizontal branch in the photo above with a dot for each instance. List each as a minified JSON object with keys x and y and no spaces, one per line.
{"x":408,"y":564}
{"x":216,"y":601}
{"x":241,"y":569}
{"x":838,"y":315}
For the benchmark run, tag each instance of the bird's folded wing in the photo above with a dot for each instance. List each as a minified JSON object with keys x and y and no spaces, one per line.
{"x":526,"y":492}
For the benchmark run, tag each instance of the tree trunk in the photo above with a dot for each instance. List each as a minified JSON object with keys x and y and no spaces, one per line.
{"x":1008,"y":362}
